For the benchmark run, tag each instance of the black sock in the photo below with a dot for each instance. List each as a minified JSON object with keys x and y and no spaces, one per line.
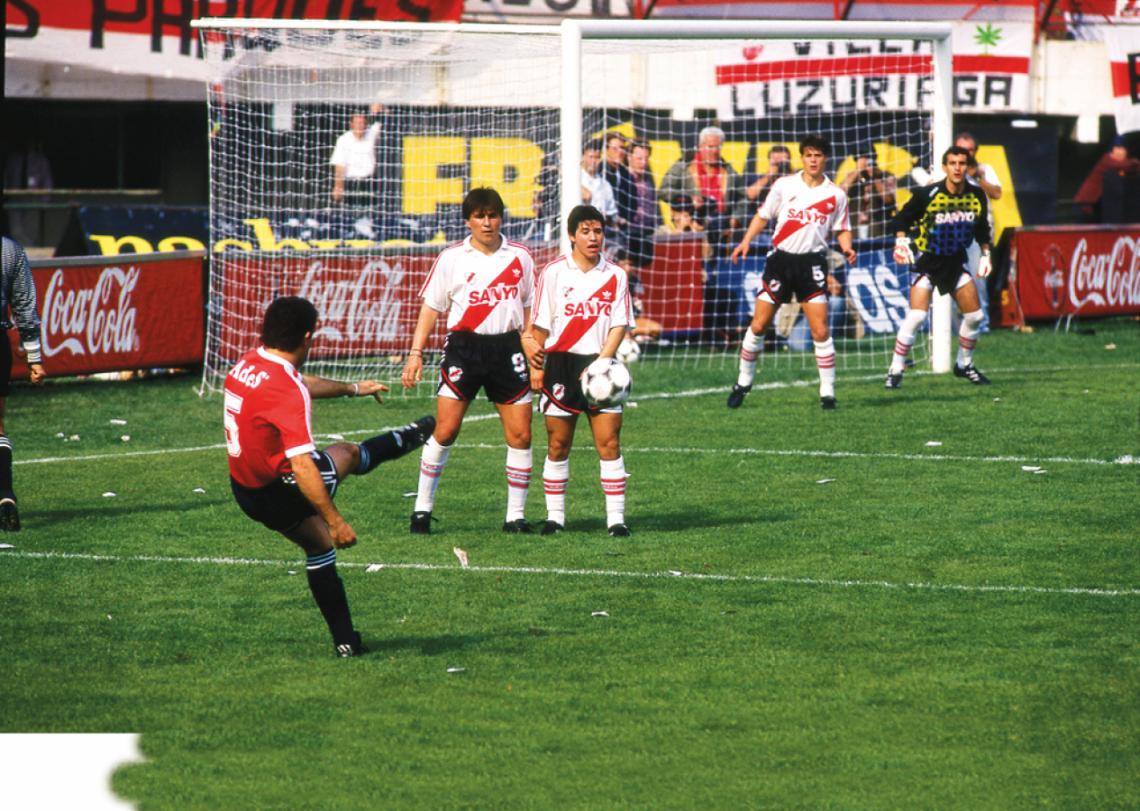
{"x":328,"y":591}
{"x":391,"y":445}
{"x":6,"y":467}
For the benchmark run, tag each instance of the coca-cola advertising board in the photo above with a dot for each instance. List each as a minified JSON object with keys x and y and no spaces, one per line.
{"x":1077,"y":270}
{"x":126,"y":312}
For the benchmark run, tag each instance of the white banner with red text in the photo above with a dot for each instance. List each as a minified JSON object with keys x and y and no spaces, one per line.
{"x":136,"y":311}
{"x":1123,"y":43}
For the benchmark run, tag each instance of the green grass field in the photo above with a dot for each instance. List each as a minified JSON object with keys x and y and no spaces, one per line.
{"x":933,"y":627}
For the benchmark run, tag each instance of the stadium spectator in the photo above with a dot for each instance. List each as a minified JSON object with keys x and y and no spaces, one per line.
{"x":637,"y":207}
{"x":276,"y":473}
{"x":595,"y":291}
{"x":616,"y":173}
{"x":1117,"y":161}
{"x":807,"y":207}
{"x":949,"y":215}
{"x":870,"y":195}
{"x":485,"y":286}
{"x":985,"y":178}
{"x":354,"y":161}
{"x":717,"y":192}
{"x":644,"y":329}
{"x":681,"y":219}
{"x":17,"y":308}
{"x":596,"y":190}
{"x":779,"y":165}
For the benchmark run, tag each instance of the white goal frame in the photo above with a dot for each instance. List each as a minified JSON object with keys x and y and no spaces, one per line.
{"x":572,"y":33}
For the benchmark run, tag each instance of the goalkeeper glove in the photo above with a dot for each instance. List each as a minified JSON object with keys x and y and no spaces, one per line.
{"x":984,"y":266}
{"x":903,"y":254}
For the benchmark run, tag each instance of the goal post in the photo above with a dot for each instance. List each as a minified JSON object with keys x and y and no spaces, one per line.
{"x":447,"y":107}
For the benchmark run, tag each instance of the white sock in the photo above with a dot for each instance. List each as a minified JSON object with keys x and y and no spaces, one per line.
{"x":518,"y":480}
{"x":750,"y":349}
{"x":613,"y":485}
{"x":432,"y":460}
{"x":968,"y":336}
{"x":905,"y":339}
{"x":825,"y":362}
{"x":555,"y":476}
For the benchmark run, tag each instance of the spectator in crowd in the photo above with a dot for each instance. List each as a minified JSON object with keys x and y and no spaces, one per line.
{"x":779,"y":164}
{"x":354,"y":161}
{"x":616,"y":172}
{"x":681,"y":219}
{"x":637,"y":207}
{"x":644,"y":329}
{"x":1117,"y":161}
{"x":596,"y":190}
{"x":717,"y":192}
{"x":277,"y":475}
{"x":17,"y":307}
{"x":870,"y":195}
{"x":983,"y":176}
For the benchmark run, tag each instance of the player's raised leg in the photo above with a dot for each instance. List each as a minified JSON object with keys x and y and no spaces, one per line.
{"x":516,"y":420}
{"x":750,"y":349}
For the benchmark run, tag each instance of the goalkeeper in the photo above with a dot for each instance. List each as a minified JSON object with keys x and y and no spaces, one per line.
{"x":948,"y":216}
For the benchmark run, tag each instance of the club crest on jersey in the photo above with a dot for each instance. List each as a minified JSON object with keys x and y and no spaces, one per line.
{"x":454,"y":373}
{"x":558,"y":391}
{"x":774,"y":285}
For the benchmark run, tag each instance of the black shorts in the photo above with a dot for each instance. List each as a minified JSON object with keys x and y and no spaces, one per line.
{"x":562,"y":394}
{"x":281,"y":505}
{"x":802,"y":274}
{"x":5,"y":366}
{"x":495,"y":363}
{"x":944,"y":272}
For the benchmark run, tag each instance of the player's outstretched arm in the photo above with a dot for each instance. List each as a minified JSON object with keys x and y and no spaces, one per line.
{"x":754,"y":228}
{"x":309,"y":482}
{"x":321,"y":388}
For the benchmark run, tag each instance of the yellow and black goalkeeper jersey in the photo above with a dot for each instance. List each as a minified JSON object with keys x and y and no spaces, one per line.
{"x":947,"y":223}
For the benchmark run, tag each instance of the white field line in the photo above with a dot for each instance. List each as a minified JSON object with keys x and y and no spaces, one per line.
{"x":1120,"y":460}
{"x":610,"y":573}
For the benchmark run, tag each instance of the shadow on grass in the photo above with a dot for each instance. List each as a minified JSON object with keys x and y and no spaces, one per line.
{"x":426,"y":645}
{"x":49,"y":517}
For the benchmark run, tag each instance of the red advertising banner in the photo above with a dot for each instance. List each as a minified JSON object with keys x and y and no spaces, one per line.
{"x":1077,"y":270}
{"x":125,"y":312}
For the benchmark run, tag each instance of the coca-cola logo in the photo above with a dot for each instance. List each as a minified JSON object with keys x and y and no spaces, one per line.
{"x":91,"y":321}
{"x":363,"y":308}
{"x":1109,"y":278}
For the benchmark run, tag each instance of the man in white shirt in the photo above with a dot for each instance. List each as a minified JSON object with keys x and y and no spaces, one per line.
{"x":596,"y":190}
{"x":354,"y":161}
{"x":807,"y":207}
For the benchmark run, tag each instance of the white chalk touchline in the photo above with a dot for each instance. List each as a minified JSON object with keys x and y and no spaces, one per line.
{"x":538,"y":570}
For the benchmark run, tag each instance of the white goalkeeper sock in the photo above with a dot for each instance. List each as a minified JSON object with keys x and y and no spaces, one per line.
{"x":825,"y":362}
{"x":750,"y":349}
{"x":432,"y":459}
{"x":555,"y":477}
{"x":905,"y":339}
{"x":613,"y":485}
{"x":968,"y":336}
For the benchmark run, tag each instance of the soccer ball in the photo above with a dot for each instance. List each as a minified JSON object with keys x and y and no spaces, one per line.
{"x":628,"y":350}
{"x":606,"y":383}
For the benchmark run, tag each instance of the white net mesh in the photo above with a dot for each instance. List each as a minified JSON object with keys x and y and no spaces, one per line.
{"x":441,"y":110}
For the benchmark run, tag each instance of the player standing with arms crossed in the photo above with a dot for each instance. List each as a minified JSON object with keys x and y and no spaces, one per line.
{"x":582,"y":313}
{"x":485,"y":285}
{"x":949,"y":214}
{"x":17,"y":297}
{"x":807,"y":207}
{"x":276,"y":473}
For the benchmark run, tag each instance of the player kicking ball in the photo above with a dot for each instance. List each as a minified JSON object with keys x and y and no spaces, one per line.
{"x":582,"y":312}
{"x":278,"y":476}
{"x":807,"y":207}
{"x":949,"y":215}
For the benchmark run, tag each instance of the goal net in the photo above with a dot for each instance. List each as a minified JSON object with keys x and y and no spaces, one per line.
{"x":340,"y":154}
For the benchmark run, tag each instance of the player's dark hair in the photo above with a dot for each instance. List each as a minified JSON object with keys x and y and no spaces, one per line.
{"x":956,"y":150}
{"x":482,"y":198}
{"x":815,"y":142}
{"x":581,"y":214}
{"x":287,"y":320}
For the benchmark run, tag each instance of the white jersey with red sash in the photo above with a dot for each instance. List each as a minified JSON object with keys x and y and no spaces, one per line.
{"x":805,"y":215}
{"x":488,"y":295}
{"x":267,"y":418}
{"x":579,"y":308}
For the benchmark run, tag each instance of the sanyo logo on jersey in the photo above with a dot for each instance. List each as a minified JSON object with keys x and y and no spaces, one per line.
{"x":243,"y":373}
{"x":808,"y":215}
{"x":492,"y":295}
{"x":590,"y":309}
{"x":943,"y":217}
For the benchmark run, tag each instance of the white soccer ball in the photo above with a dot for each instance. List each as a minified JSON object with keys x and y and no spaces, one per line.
{"x":606,"y":383}
{"x":628,"y":351}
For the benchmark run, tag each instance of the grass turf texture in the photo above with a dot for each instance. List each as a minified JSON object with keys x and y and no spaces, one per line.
{"x":811,"y":676}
